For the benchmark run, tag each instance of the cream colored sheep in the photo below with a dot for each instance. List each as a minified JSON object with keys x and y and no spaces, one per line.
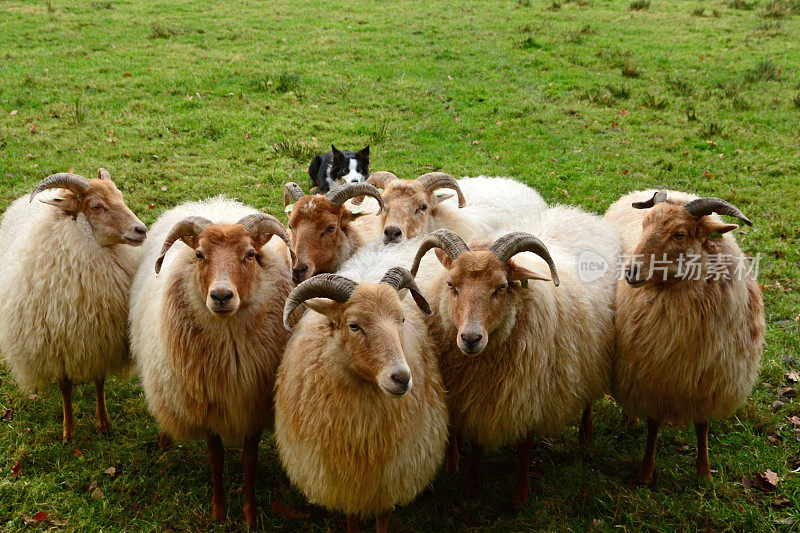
{"x":67,"y":257}
{"x":207,"y":332}
{"x":361,"y":422}
{"x":690,"y":320}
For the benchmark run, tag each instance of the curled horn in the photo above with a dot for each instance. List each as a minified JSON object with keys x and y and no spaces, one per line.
{"x":400,"y":278}
{"x":381,"y":178}
{"x":64,"y":180}
{"x":445,"y":239}
{"x":102,"y":174}
{"x":265,"y":226}
{"x":331,"y":286}
{"x":291,"y":191}
{"x":341,"y":194}
{"x":441,"y":180}
{"x":705,"y":206}
{"x":189,"y":226}
{"x":658,"y":197}
{"x":513,"y":243}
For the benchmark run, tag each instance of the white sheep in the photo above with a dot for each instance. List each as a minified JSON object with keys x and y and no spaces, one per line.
{"x":207,"y":330}
{"x":66,"y":263}
{"x":690,"y":319}
{"x":519,"y":359}
{"x":361,"y":421}
{"x":480,"y":207}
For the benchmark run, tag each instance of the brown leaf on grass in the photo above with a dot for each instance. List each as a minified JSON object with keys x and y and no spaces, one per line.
{"x":16,"y":469}
{"x":795,"y":421}
{"x":787,"y":392}
{"x":97,"y":494}
{"x":77,"y":453}
{"x":794,"y":377}
{"x":127,"y":75}
{"x":285,"y":511}
{"x":33,"y":397}
{"x":111,"y":471}
{"x":780,"y":502}
{"x":7,"y":415}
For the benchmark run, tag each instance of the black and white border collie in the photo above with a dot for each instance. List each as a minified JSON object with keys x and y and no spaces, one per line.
{"x":337,"y":167}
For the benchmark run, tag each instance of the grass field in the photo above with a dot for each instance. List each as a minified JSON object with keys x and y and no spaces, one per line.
{"x":583,"y":100}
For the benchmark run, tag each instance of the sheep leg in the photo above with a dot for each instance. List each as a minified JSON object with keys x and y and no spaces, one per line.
{"x":703,"y":465}
{"x":522,"y":492}
{"x":164,"y":441}
{"x":103,"y":423}
{"x":586,"y":429}
{"x":382,"y":522}
{"x":250,"y":466}
{"x":65,"y":386}
{"x":452,"y":455}
{"x":474,"y":480}
{"x":216,"y":457}
{"x":647,"y":470}
{"x":352,"y":523}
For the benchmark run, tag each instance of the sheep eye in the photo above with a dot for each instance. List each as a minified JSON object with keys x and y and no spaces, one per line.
{"x":198,"y":254}
{"x":679,"y":236}
{"x":95,"y":207}
{"x":452,"y":289}
{"x":501,"y":288}
{"x":423,"y":208}
{"x":330,"y":228}
{"x":353,"y":326}
{"x":250,"y":254}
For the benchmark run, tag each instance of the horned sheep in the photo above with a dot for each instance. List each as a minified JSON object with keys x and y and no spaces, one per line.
{"x":361,"y":421}
{"x":690,"y":319}
{"x":207,"y":330}
{"x":325,"y":231}
{"x":482,"y":205}
{"x":519,"y":359}
{"x":66,"y":265}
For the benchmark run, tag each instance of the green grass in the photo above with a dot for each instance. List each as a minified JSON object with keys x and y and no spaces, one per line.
{"x":182,"y":101}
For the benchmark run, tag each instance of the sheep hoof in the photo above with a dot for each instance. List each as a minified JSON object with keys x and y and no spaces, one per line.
{"x":645,"y":478}
{"x":249,"y":513}
{"x":218,"y":512}
{"x":164,"y":442}
{"x":104,"y":426}
{"x":67,"y":436}
{"x":521,"y":497}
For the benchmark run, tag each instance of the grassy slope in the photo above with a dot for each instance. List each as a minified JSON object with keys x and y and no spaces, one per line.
{"x":197,"y":95}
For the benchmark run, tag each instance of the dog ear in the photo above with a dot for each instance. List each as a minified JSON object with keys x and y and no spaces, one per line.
{"x":313,"y":168}
{"x":364,"y":152}
{"x":337,"y":154}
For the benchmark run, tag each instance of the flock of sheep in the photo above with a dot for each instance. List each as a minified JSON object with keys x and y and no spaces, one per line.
{"x":236,"y":325}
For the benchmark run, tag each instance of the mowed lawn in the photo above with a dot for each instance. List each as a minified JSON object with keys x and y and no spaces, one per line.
{"x":582,"y":100}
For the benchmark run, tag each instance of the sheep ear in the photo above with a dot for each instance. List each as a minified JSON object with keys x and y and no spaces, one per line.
{"x":347,"y":216}
{"x":518,"y":273}
{"x":323,"y":306}
{"x":716,"y":229}
{"x":439,"y":198}
{"x":67,"y":203}
{"x":443,"y":258}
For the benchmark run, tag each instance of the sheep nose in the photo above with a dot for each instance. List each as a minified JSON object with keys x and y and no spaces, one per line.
{"x":392,"y":234}
{"x":140,"y":230}
{"x":221,"y":296}
{"x":401,"y":378}
{"x":299,"y":273}
{"x":631,"y":273}
{"x":471,"y":339}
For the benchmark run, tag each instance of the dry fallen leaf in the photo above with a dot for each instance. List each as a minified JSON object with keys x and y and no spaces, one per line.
{"x":7,"y":415}
{"x":97,"y":494}
{"x":16,"y":469}
{"x":793,"y":376}
{"x":111,"y":471}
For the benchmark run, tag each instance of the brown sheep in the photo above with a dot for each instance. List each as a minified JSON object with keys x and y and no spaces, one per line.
{"x":689,"y":344}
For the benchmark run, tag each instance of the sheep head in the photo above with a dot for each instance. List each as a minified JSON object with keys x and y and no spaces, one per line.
{"x":366,"y":321}
{"x":227,"y":258}
{"x":100,"y":201}
{"x":320,"y":226}
{"x":480,"y":281}
{"x":672,"y":233}
{"x":411,"y":203}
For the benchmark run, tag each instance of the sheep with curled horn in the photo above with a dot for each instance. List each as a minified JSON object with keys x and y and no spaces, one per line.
{"x":690,"y":318}
{"x":476,"y":207}
{"x":361,"y":421}
{"x":69,"y":251}
{"x":207,"y":329}
{"x":524,"y":341}
{"x":326,"y":230}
